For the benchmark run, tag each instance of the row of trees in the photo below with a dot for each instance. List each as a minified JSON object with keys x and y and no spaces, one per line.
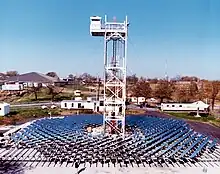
{"x":169,"y":90}
{"x":142,"y":87}
{"x":88,"y":78}
{"x":163,"y":90}
{"x":133,"y":79}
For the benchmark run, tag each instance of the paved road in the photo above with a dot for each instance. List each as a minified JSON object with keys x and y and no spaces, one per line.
{"x":35,"y":104}
{"x":144,"y":108}
{"x":58,"y":104}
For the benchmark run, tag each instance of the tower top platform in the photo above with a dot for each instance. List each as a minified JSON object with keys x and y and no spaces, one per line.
{"x":98,"y":27}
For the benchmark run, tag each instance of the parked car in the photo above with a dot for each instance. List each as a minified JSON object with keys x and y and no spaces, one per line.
{"x":53,"y":106}
{"x":44,"y":107}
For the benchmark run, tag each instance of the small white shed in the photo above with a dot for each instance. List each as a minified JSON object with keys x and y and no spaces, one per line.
{"x":77,"y":93}
{"x":4,"y":109}
{"x":138,"y":100}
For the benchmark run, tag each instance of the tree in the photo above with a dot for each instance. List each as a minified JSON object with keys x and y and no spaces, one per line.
{"x":71,"y":76}
{"x":153,"y":81}
{"x":176,"y":78}
{"x":201,"y":92}
{"x":193,"y":90}
{"x":182,"y":95}
{"x":187,"y":92}
{"x":132,"y":79}
{"x":11,"y":73}
{"x":52,"y":74}
{"x":35,"y":90}
{"x":54,"y":91}
{"x":164,"y":90}
{"x":213,"y":90}
{"x":87,"y":78}
{"x":142,"y":89}
{"x":188,"y":78}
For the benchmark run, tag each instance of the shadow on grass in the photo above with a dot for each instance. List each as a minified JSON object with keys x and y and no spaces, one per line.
{"x":47,"y":99}
{"x":13,"y":113}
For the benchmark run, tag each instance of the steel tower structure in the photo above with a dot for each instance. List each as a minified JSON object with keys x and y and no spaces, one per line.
{"x":115,"y":55}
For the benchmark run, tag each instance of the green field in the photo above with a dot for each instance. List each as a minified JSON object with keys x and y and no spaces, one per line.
{"x":206,"y":119}
{"x":22,"y":115}
{"x":44,"y":96}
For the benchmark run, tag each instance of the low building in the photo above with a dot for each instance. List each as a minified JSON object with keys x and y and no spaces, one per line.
{"x":33,"y":79}
{"x":77,"y":104}
{"x":186,"y":107}
{"x":78,"y":98}
{"x":100,"y":107}
{"x":32,"y":84}
{"x":96,"y":106}
{"x":12,"y":86}
{"x":77,"y":93}
{"x":137,"y":100}
{"x":4,"y":109}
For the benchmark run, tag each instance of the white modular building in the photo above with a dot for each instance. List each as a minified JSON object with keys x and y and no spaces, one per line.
{"x":109,"y":108}
{"x":4,"y":109}
{"x":97,"y":106}
{"x":77,"y":104}
{"x":32,"y":84}
{"x":12,"y":87}
{"x":189,"y":107}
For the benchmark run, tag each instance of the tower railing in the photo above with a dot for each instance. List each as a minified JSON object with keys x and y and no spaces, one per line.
{"x":113,"y":26}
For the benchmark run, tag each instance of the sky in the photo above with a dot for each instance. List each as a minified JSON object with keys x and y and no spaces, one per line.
{"x":53,"y":35}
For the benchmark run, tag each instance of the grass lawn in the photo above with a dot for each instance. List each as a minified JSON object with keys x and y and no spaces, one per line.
{"x":43,"y":96}
{"x":22,"y":115}
{"x":134,"y":111}
{"x":205,"y":119}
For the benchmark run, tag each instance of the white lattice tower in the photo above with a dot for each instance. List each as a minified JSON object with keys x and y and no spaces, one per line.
{"x":115,"y":55}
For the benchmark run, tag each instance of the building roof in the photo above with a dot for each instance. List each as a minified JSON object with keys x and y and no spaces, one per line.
{"x":198,"y":103}
{"x":2,"y":77}
{"x":33,"y":77}
{"x":77,"y":101}
{"x":4,"y":104}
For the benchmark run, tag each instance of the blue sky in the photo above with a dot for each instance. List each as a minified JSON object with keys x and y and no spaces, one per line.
{"x":53,"y":35}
